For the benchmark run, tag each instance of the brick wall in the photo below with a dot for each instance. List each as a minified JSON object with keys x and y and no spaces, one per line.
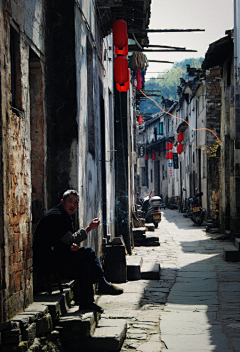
{"x":16,"y":184}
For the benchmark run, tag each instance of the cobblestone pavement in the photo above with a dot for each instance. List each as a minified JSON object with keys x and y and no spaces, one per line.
{"x":195,"y":306}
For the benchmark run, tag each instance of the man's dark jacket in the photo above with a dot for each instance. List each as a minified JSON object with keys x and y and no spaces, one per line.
{"x":49,"y":251}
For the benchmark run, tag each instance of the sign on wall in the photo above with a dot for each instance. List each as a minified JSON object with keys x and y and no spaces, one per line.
{"x":141,"y":151}
{"x":175,"y":160}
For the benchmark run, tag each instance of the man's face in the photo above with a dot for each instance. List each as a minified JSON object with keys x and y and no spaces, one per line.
{"x":70,"y":204}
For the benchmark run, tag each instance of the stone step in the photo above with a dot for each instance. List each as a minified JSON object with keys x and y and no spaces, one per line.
{"x":150,"y":226}
{"x":137,"y":269}
{"x":150,"y":271}
{"x":237,"y":243}
{"x":88,"y":331}
{"x":108,"y":337}
{"x":138,"y":231}
{"x":57,"y":303}
{"x":134,"y":264}
{"x":231,"y":254}
{"x":148,"y":240}
{"x":76,"y":324}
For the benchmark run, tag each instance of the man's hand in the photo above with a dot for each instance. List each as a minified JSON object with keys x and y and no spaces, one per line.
{"x":74,"y":247}
{"x":93,"y":224}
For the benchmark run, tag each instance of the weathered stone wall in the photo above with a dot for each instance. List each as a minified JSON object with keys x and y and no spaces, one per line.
{"x":213,"y":122}
{"x":16,"y":239}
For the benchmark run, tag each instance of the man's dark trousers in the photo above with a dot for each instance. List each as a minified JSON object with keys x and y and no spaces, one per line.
{"x":85,"y":264}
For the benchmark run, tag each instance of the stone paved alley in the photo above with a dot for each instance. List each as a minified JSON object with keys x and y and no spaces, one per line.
{"x":194,"y":306}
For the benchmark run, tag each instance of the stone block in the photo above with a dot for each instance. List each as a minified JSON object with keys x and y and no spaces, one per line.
{"x":115,"y":253}
{"x":36,"y":346}
{"x":231,"y":255}
{"x":151,"y":271}
{"x":11,"y":336}
{"x":108,"y":337}
{"x":116,"y":271}
{"x":138,"y":231}
{"x":9,"y":325}
{"x":44,"y":325}
{"x":9,"y":348}
{"x":77,"y":324}
{"x":150,"y":227}
{"x":134,"y":264}
{"x":30,"y":333}
{"x":237,"y":243}
{"x":23,"y":346}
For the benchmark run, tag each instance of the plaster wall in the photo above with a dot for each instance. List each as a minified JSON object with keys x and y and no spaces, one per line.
{"x":91,"y":164}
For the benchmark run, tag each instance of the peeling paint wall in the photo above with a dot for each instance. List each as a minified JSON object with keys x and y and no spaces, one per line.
{"x":94,"y":67}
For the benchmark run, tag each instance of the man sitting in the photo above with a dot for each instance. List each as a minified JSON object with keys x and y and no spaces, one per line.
{"x":57,"y":247}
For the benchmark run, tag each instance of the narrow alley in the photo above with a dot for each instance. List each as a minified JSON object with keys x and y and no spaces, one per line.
{"x":194,"y":306}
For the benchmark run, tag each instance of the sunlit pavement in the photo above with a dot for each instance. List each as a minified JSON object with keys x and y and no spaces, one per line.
{"x":195,"y":306}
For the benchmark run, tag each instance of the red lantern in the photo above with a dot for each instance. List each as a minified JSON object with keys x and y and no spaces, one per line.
{"x":123,"y":51}
{"x":179,"y":148}
{"x":120,"y":37}
{"x":140,"y":119}
{"x":180,"y":137}
{"x":146,"y":157}
{"x":167,"y":156}
{"x":169,"y":146}
{"x":153,"y":156}
{"x":170,"y":155}
{"x":124,"y":87}
{"x":121,"y":69}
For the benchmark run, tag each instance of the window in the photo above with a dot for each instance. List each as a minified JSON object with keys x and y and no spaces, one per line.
{"x":15,"y":68}
{"x":90,"y":100}
{"x":160,"y":128}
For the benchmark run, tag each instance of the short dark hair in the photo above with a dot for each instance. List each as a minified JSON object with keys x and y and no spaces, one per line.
{"x":68,"y":192}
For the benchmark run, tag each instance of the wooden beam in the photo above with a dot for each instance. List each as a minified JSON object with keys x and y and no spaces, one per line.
{"x":163,"y":46}
{"x":164,"y":62}
{"x":162,"y":50}
{"x":163,"y":30}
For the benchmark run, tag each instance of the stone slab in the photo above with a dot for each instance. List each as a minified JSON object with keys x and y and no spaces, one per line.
{"x":231,"y":255}
{"x":134,"y":264}
{"x":150,"y":226}
{"x":150,"y":271}
{"x":78,"y":324}
{"x":108,"y":336}
{"x":237,"y":243}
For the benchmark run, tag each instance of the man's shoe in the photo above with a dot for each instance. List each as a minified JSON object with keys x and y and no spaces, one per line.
{"x":109,"y":289}
{"x":92,"y":307}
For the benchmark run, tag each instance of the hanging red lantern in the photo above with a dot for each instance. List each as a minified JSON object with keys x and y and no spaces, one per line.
{"x":179,"y":148}
{"x":153,"y":156}
{"x":123,"y":51}
{"x":120,"y":37}
{"x":121,"y":69}
{"x":139,"y":79}
{"x":169,"y":146}
{"x":167,"y":156}
{"x":146,"y":157}
{"x":125,"y":87}
{"x":180,"y":137}
{"x":140,"y":119}
{"x":170,"y":155}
